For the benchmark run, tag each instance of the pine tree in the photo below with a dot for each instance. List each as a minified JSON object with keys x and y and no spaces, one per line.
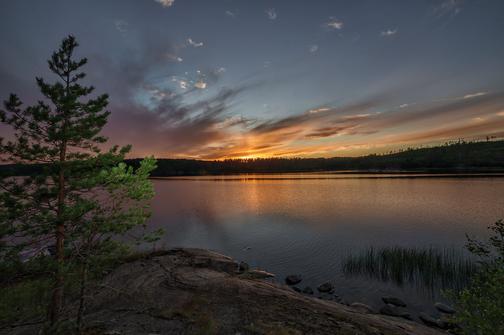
{"x":80,"y":197}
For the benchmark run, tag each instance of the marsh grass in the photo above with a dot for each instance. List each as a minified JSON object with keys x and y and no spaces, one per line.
{"x":425,"y":268}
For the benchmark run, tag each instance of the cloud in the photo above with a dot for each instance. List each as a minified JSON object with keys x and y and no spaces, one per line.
{"x":230,"y":13}
{"x":318,"y":110}
{"x":335,"y":24}
{"x":388,"y":32}
{"x":448,"y":8}
{"x":175,"y":118}
{"x":208,"y":129}
{"x":166,"y":3}
{"x":200,"y":84}
{"x":182,"y":84}
{"x":174,"y":58}
{"x":271,"y":13}
{"x":121,"y":25}
{"x":348,"y":127}
{"x":314,"y":48}
{"x":194,"y":44}
{"x":474,"y":95}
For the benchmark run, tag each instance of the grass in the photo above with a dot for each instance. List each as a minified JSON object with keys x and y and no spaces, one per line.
{"x":26,"y":300}
{"x":426,"y":268}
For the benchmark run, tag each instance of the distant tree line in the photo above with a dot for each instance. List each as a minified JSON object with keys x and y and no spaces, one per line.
{"x":453,"y":156}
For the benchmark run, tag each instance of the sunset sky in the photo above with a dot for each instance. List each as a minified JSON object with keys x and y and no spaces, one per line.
{"x":213,"y":79}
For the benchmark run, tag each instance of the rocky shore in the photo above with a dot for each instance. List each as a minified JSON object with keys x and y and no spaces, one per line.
{"x":195,"y":291}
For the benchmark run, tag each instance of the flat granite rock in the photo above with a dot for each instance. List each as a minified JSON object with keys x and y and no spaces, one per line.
{"x":193,"y":291}
{"x":444,"y":308}
{"x":394,"y":301}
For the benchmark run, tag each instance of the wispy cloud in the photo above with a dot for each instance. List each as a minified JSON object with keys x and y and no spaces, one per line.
{"x":186,"y":116}
{"x":474,"y":95}
{"x":334,"y":24}
{"x":448,"y":8}
{"x":121,"y":25}
{"x":230,"y":13}
{"x":271,"y":13}
{"x":200,"y":84}
{"x":328,"y":131}
{"x":388,"y":32}
{"x":194,"y":44}
{"x":314,"y":48}
{"x":174,"y":58}
{"x":318,"y":110}
{"x":166,"y":3}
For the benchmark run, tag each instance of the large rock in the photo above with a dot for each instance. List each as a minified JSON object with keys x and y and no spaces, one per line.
{"x":293,"y":279}
{"x":243,"y":267}
{"x":174,"y":294}
{"x":395,"y":311}
{"x":394,"y":301}
{"x":326,"y":288}
{"x":428,"y":320}
{"x":444,"y":308}
{"x":307,"y":290}
{"x":363,"y":308}
{"x":259,"y":274}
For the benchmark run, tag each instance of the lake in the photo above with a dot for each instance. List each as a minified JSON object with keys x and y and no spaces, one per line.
{"x":308,"y":224}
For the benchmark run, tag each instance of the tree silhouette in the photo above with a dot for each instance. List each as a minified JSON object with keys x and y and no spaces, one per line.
{"x":81,"y":196}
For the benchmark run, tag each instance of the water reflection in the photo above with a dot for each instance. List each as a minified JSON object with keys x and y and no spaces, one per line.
{"x":428,"y":269}
{"x":309,"y":226}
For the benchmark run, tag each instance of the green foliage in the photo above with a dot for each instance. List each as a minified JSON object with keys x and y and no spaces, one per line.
{"x":83,"y":202}
{"x":480,"y":307}
{"x":25,"y":300}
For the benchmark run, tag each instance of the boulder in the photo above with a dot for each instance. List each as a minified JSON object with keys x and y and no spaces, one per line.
{"x":325,"y":288}
{"x":259,"y":274}
{"x":243,"y":267}
{"x":293,"y":279}
{"x":394,"y":301}
{"x":327,"y":297}
{"x":363,"y":308}
{"x":428,"y":320}
{"x":444,"y":325}
{"x":444,"y":308}
{"x":394,"y":311}
{"x":307,"y":290}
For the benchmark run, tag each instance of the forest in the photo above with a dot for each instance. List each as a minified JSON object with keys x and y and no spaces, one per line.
{"x":459,"y":156}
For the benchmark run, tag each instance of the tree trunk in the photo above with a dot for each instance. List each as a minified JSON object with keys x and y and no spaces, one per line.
{"x":57,"y":295}
{"x":59,"y":280}
{"x":82,"y":298}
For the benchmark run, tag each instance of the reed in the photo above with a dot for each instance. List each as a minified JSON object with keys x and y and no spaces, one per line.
{"x":426,"y":268}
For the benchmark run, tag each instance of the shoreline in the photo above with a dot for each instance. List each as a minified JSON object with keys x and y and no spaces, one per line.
{"x":328,"y":175}
{"x":194,"y":291}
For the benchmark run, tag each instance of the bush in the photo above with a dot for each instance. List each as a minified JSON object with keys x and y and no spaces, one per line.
{"x":480,"y":306}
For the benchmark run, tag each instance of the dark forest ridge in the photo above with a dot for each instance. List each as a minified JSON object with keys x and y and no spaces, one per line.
{"x":485,"y":156}
{"x":456,"y":157}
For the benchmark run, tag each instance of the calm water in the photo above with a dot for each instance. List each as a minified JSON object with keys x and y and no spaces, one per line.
{"x":307,"y":224}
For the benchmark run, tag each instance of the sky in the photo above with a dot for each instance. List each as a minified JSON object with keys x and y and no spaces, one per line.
{"x":216,"y":79}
